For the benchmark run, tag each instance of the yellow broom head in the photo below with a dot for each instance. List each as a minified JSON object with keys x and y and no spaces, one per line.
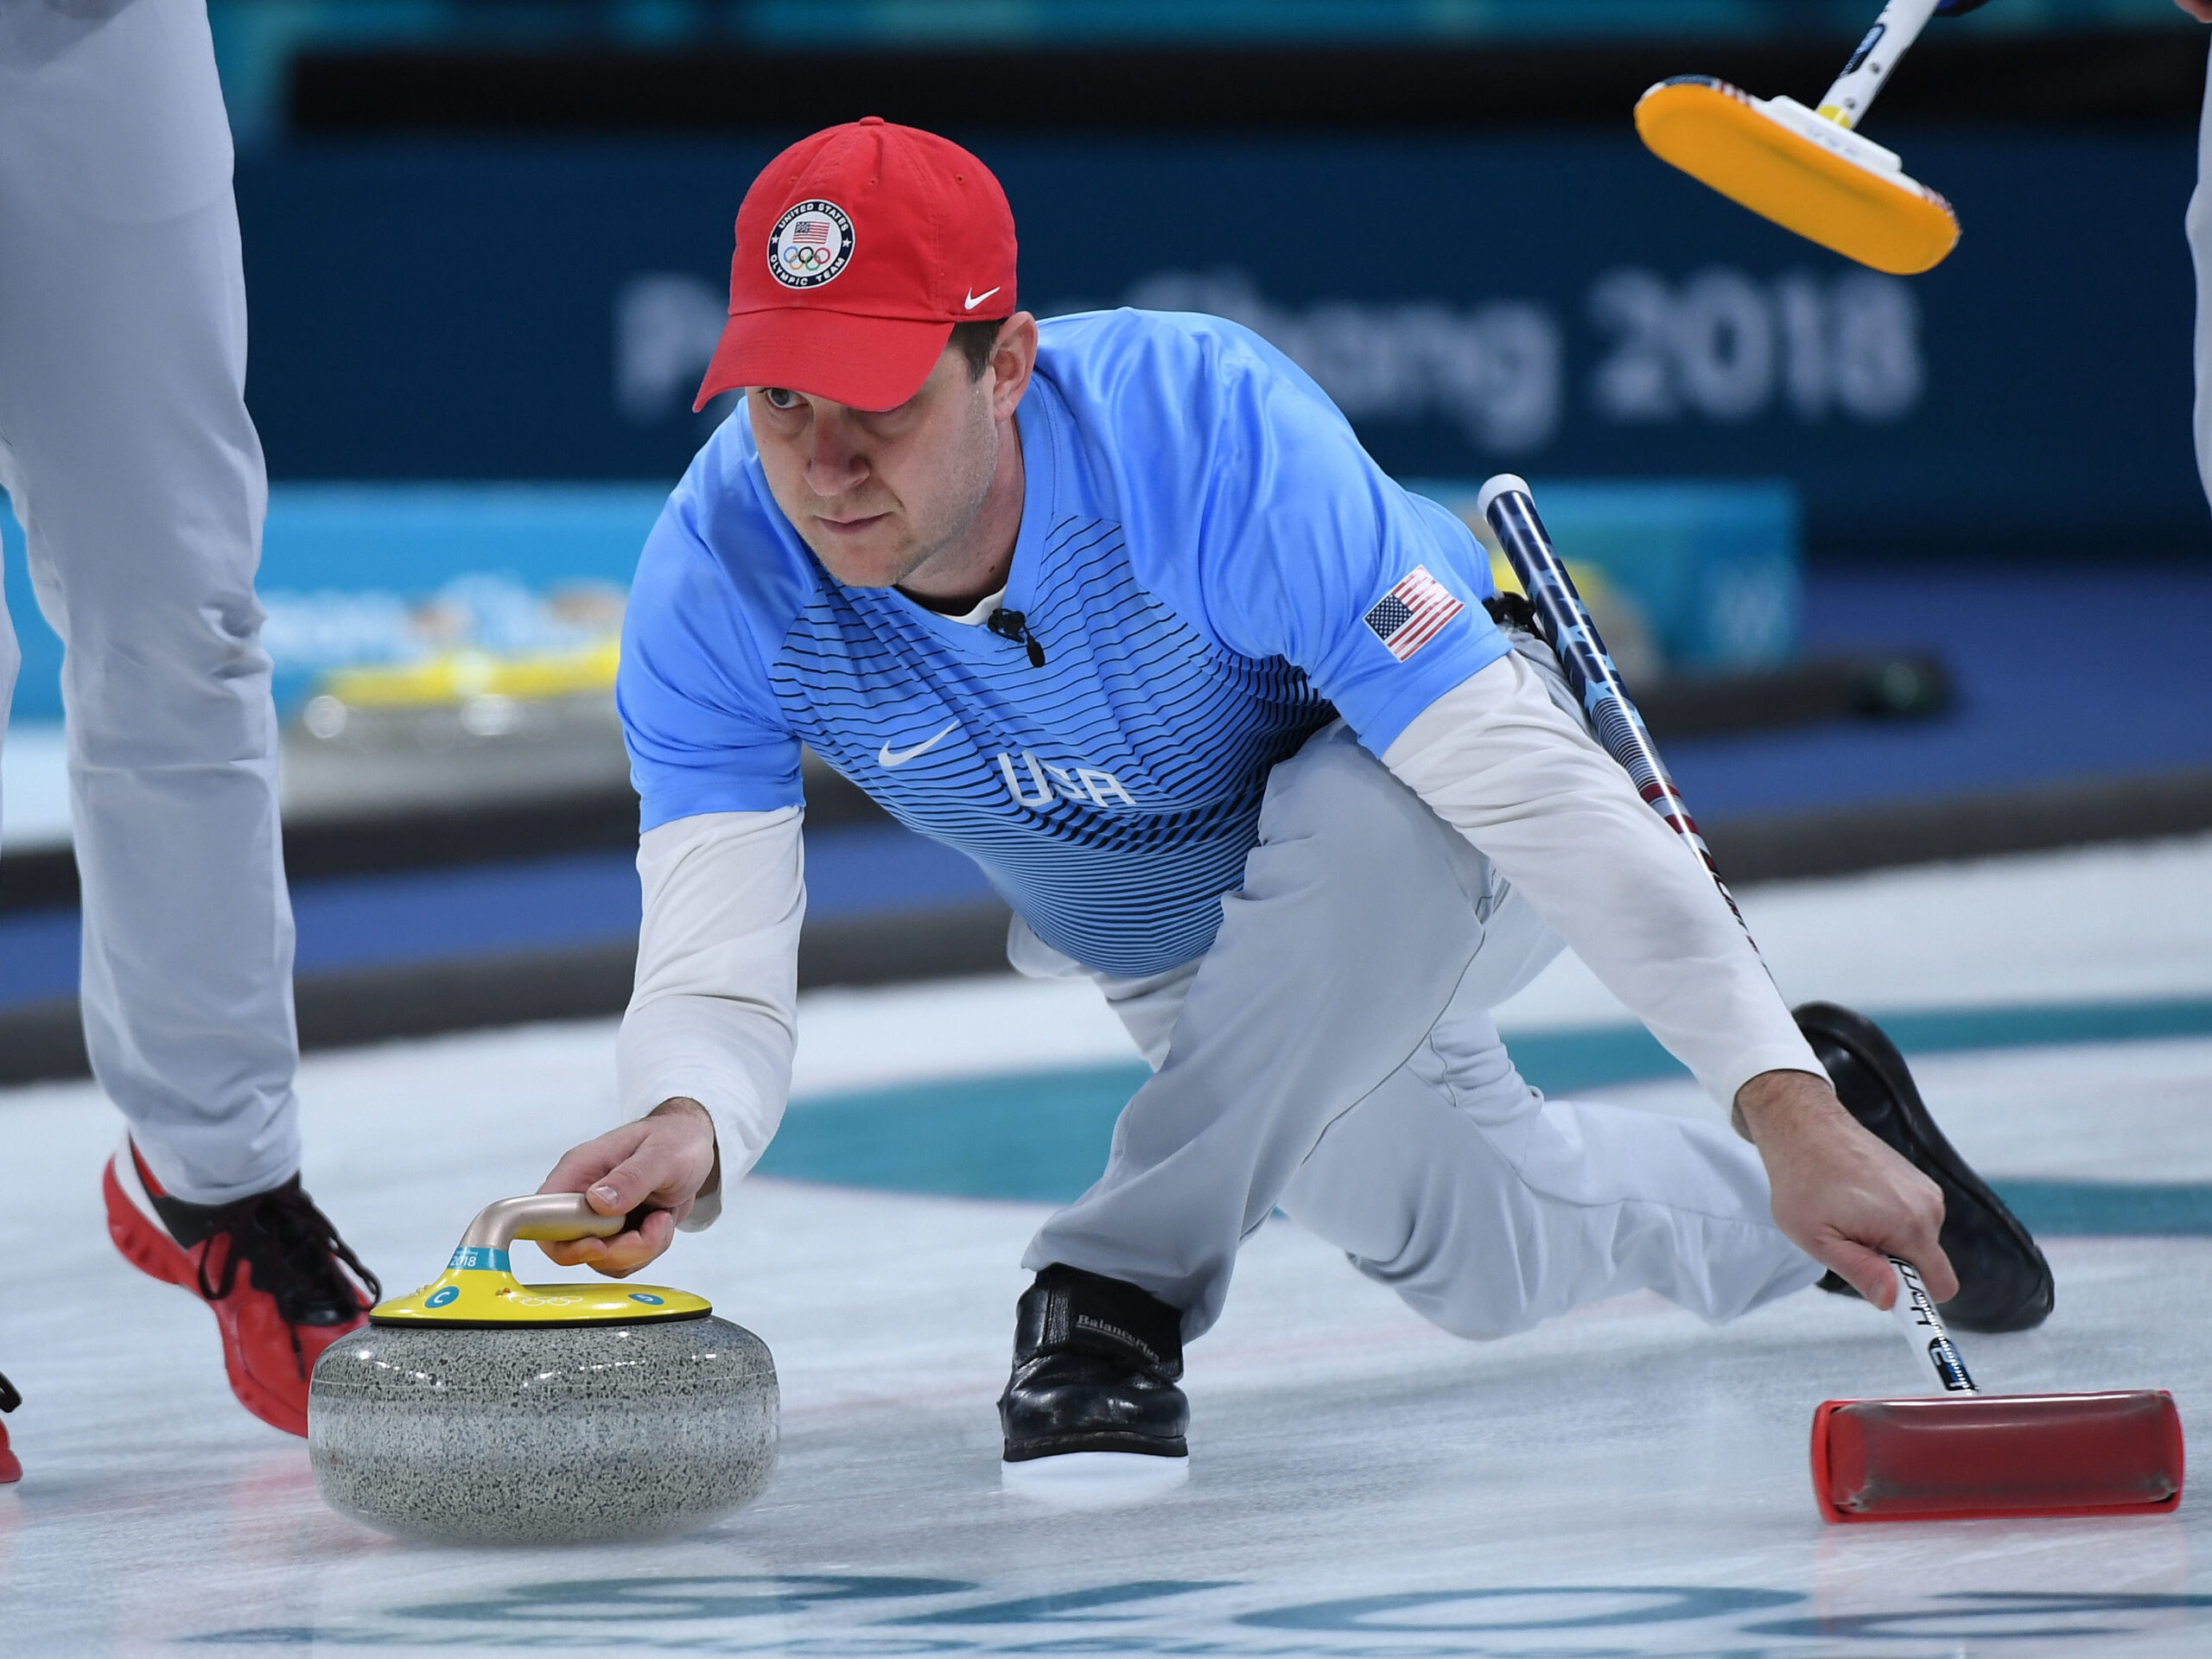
{"x":1805,"y":173}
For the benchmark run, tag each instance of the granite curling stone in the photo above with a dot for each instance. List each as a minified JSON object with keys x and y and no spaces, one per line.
{"x":480,"y":1410}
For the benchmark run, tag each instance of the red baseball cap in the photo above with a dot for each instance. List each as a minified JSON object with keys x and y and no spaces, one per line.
{"x":857,"y":250}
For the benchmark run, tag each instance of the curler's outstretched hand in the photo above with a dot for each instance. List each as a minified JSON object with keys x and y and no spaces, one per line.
{"x":664,"y":1162}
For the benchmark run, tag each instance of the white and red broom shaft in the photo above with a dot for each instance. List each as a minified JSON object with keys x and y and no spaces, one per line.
{"x":1897,"y":28}
{"x":1916,"y":1316}
{"x":1564,"y":621}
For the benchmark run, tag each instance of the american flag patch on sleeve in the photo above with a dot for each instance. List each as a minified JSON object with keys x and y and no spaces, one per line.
{"x":1412,"y":613}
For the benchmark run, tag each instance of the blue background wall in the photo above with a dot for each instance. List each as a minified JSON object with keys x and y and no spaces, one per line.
{"x":1560,"y":305}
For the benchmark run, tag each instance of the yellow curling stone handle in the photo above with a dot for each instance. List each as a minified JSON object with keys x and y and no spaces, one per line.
{"x":479,"y":1285}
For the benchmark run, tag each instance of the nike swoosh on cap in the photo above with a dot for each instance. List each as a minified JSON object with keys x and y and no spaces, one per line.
{"x":889,"y":757}
{"x":974,"y":299}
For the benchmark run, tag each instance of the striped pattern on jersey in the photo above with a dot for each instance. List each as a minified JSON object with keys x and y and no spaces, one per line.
{"x":1110,"y":796}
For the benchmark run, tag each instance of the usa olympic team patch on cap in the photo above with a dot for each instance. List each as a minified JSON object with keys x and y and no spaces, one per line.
{"x":811,"y":243}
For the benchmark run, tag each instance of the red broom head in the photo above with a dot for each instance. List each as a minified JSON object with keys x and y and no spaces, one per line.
{"x":1979,"y":1456}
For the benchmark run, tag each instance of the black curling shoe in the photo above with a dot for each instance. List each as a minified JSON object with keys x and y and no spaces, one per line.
{"x":2004,"y":1282}
{"x":1096,"y":1362}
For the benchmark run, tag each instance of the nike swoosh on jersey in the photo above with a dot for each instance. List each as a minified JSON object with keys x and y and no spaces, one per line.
{"x":889,"y":757}
{"x":974,"y":299}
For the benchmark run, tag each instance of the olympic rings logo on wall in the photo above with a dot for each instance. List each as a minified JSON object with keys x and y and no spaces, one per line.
{"x":811,"y":243}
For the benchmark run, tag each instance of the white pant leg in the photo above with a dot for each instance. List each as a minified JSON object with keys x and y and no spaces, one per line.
{"x":1355,"y":923}
{"x":1489,"y":1208}
{"x":2198,"y":222}
{"x":1333,"y":1052}
{"x":126,"y":445}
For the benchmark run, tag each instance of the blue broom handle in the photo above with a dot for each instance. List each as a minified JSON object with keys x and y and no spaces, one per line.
{"x":1564,"y":622}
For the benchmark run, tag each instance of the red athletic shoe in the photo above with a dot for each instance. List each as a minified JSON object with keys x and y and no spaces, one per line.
{"x":10,"y":1468}
{"x":268,"y":1265}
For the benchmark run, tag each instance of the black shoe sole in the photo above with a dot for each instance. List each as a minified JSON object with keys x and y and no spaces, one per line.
{"x":1059,"y":1446}
{"x":2005,"y":1283}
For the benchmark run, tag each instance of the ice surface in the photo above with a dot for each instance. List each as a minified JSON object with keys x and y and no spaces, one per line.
{"x":2081,"y":926}
{"x":2095,"y":1112}
{"x":952,"y":1028}
{"x":1623,"y":1482}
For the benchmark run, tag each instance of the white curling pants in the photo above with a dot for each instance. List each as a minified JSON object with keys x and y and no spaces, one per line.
{"x":2198,"y":224}
{"x":1333,"y":1053}
{"x":127,"y":452}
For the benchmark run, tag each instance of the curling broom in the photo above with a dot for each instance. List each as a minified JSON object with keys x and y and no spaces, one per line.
{"x":1809,"y":170}
{"x":1959,"y":1454}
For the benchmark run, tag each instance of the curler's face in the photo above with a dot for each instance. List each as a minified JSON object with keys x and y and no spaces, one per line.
{"x":882,"y":495}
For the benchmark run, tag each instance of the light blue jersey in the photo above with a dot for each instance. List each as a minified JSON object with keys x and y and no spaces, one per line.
{"x":1210,"y":569}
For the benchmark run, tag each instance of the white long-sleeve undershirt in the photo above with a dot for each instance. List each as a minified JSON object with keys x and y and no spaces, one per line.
{"x":712,"y":1016}
{"x":1499,"y":759}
